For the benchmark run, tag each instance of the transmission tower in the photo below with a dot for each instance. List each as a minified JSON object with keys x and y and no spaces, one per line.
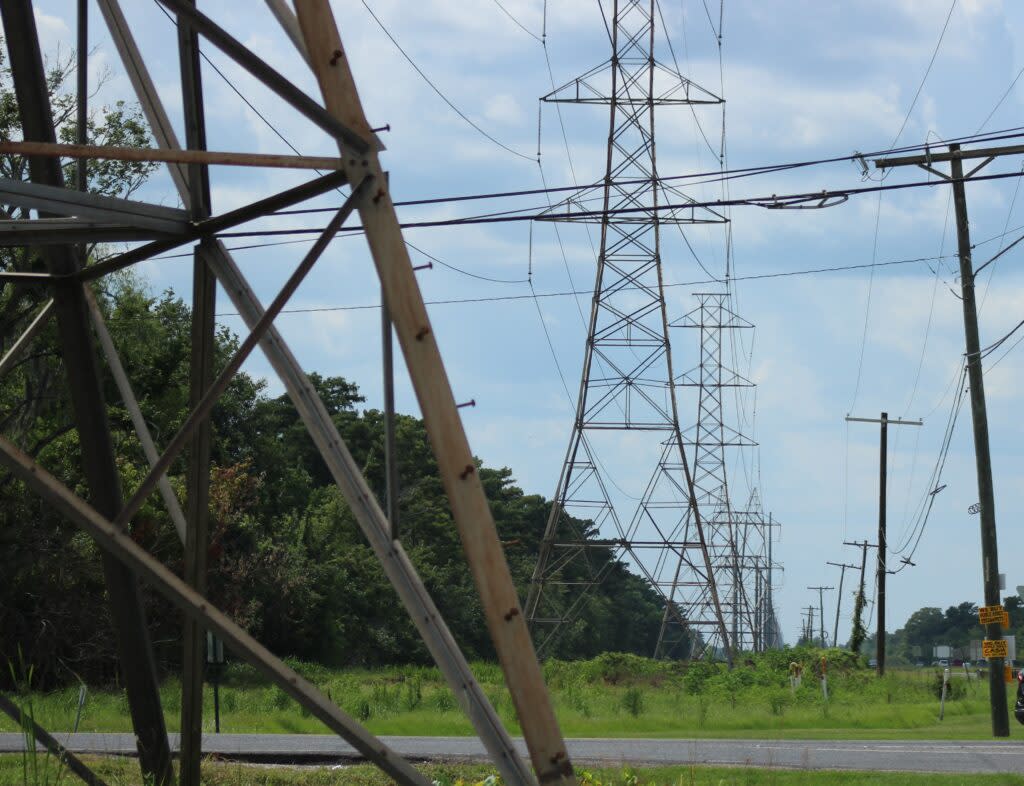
{"x":627,"y":380}
{"x":735,"y":537}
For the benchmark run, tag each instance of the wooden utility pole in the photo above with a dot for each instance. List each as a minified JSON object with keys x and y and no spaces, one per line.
{"x":883,"y":461}
{"x":863,"y":546}
{"x":821,"y":610}
{"x":979,"y":415}
{"x":839,"y":597}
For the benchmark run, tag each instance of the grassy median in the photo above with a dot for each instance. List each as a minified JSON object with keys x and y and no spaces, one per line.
{"x":611,"y":696}
{"x":125,"y":772}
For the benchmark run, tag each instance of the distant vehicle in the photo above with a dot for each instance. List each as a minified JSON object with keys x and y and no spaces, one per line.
{"x":958,"y":662}
{"x":919,"y":664}
{"x":942,"y":662}
{"x":1018,"y":708}
{"x":873,"y":663}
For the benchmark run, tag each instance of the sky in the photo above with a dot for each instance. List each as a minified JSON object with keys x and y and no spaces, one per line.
{"x":802,"y":81}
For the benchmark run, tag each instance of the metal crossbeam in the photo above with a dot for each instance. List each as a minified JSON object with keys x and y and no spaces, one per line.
{"x":62,"y":231}
{"x":210,"y":226}
{"x":10,"y":358}
{"x":202,"y":157}
{"x":60,"y":201}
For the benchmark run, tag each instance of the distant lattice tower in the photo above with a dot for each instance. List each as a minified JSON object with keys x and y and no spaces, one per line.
{"x":627,"y":380}
{"x":734,"y":537}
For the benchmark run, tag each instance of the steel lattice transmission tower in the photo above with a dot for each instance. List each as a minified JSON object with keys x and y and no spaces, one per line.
{"x":731,"y":535}
{"x":627,"y":380}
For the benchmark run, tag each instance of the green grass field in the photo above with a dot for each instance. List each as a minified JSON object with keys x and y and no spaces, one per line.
{"x":125,"y":772}
{"x":610,"y":696}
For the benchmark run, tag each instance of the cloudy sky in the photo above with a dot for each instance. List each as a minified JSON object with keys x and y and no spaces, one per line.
{"x":802,"y":81}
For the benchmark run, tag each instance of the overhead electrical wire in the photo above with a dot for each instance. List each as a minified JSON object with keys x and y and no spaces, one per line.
{"x":517,"y":23}
{"x":437,"y":90}
{"x":935,"y":482}
{"x":770,"y":202}
{"x":573,"y":293}
{"x":874,"y":250}
{"x":927,"y":72}
{"x":999,"y":103}
{"x":709,"y":177}
{"x":457,"y":269}
{"x":867,"y":307}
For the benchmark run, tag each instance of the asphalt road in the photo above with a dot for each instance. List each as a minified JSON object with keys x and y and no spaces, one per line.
{"x":915,"y":756}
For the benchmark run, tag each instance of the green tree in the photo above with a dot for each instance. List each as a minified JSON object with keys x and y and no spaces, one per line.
{"x":925,"y":628}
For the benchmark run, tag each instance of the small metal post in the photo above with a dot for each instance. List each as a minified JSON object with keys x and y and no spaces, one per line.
{"x":214,"y":666}
{"x":942,"y":700}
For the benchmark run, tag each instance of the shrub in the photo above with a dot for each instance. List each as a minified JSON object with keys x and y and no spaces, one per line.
{"x":697,"y":675}
{"x":616,"y":667}
{"x":777,"y":701}
{"x":364,"y":712}
{"x":955,"y":689}
{"x":633,"y":701}
{"x":444,"y":701}
{"x":412,"y":696}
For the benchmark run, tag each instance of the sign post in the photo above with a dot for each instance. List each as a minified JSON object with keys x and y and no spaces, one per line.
{"x":214,"y":666}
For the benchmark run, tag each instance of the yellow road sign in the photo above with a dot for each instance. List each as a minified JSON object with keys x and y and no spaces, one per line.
{"x":989,"y":614}
{"x":994,"y":648}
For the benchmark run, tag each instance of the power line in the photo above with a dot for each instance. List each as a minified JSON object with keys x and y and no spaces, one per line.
{"x":986,"y":351}
{"x":927,"y":71}
{"x":999,"y":103}
{"x":867,"y":307}
{"x":450,"y":266}
{"x":576,"y":292}
{"x":801,"y":200}
{"x":702,"y":178}
{"x":519,"y":24}
{"x":437,"y":90}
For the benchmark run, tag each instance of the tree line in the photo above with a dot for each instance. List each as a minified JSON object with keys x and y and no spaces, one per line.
{"x":956,"y":627}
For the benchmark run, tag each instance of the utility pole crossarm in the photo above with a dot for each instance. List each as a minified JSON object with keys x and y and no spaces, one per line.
{"x":890,"y":421}
{"x":954,"y":155}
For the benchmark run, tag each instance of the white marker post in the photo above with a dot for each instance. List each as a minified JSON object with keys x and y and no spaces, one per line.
{"x":942,"y":701}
